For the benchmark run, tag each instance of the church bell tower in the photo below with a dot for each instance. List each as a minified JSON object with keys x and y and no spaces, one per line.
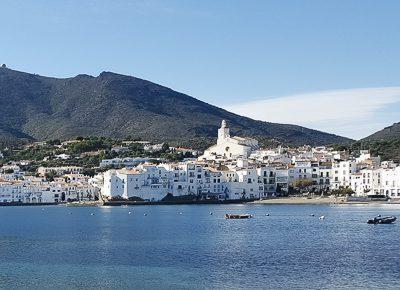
{"x":223,"y":133}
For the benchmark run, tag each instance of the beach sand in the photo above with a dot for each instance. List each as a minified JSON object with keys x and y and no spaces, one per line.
{"x":302,"y":200}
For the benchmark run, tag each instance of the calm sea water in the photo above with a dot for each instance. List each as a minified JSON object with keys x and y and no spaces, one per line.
{"x":64,"y":247}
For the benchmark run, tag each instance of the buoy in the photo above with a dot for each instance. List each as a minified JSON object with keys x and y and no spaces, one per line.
{"x":312,"y":214}
{"x":180,"y":213}
{"x":267,"y":214}
{"x":130,"y":212}
{"x":321,"y":217}
{"x":211,"y":213}
{"x":145,"y":214}
{"x":92,"y":214}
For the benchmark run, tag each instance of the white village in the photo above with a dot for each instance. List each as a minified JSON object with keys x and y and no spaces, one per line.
{"x":234,"y":169}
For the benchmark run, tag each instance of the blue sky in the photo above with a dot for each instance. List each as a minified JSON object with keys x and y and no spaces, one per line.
{"x":252,"y":57}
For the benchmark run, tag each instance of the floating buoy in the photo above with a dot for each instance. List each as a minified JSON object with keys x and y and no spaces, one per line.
{"x":211,"y":213}
{"x":92,"y":214}
{"x":312,"y":214}
{"x":145,"y":214}
{"x":321,"y":217}
{"x":267,"y":214}
{"x":130,"y":212}
{"x":180,"y":213}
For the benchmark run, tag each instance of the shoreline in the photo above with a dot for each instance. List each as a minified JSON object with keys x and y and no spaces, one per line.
{"x":270,"y":201}
{"x":177,"y":202}
{"x":301,"y":201}
{"x":318,"y":201}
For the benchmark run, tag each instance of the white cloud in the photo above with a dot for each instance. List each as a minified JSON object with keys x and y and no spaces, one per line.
{"x":354,"y":113}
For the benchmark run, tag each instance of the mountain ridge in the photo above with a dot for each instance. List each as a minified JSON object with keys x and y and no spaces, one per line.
{"x":387,"y":133}
{"x":35,"y":107}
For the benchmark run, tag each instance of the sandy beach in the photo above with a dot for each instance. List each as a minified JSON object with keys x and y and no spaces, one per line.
{"x":303,"y":200}
{"x":319,"y":200}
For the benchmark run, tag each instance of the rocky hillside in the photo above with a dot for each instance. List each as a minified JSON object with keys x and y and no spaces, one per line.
{"x":34,"y":107}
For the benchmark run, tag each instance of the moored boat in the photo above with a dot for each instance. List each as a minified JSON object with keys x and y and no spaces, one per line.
{"x":382,"y":220}
{"x":238,"y":216}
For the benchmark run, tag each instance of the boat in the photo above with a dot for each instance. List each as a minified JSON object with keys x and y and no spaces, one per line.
{"x":238,"y":216}
{"x":382,"y":220}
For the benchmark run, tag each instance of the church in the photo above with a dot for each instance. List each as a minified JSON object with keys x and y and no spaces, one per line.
{"x":228,"y":147}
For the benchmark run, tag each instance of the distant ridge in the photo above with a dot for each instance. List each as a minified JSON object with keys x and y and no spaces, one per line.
{"x":388,"y":133}
{"x":34,"y":107}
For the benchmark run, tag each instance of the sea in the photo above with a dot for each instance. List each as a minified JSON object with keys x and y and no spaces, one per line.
{"x":195,"y":247}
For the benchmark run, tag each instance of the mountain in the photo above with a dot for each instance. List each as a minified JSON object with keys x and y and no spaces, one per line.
{"x":388,"y":133}
{"x":385,"y":143}
{"x":34,"y":107}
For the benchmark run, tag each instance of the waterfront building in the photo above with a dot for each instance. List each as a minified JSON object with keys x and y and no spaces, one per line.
{"x":390,"y":182}
{"x":146,"y":182}
{"x":22,"y":188}
{"x":154,"y":182}
{"x":341,"y":173}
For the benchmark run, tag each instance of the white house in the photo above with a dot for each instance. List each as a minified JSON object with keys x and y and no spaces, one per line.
{"x":390,"y":182}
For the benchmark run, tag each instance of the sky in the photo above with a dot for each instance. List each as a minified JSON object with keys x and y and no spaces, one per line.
{"x":327,"y":65}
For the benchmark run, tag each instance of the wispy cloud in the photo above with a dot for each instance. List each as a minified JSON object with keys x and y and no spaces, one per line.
{"x":354,"y":113}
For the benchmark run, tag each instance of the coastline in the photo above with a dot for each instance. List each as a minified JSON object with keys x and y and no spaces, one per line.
{"x":302,"y":201}
{"x":270,"y":201}
{"x":317,"y":201}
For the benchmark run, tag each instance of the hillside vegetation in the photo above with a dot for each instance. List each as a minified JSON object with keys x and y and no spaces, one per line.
{"x":390,"y":132}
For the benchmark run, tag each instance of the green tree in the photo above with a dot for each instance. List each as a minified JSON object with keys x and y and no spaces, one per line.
{"x":303,"y":183}
{"x":50,"y":175}
{"x":165,"y":148}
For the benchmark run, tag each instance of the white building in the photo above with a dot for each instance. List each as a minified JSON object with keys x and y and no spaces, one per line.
{"x":60,"y":170}
{"x":341,"y":173}
{"x":390,"y":182}
{"x":123,"y":162}
{"x":228,"y":147}
{"x":62,"y":156}
{"x":362,"y":182}
{"x":147,"y":182}
{"x":153,"y":183}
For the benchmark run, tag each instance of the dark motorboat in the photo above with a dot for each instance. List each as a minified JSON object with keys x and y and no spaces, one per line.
{"x":382,"y":220}
{"x":238,"y":216}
